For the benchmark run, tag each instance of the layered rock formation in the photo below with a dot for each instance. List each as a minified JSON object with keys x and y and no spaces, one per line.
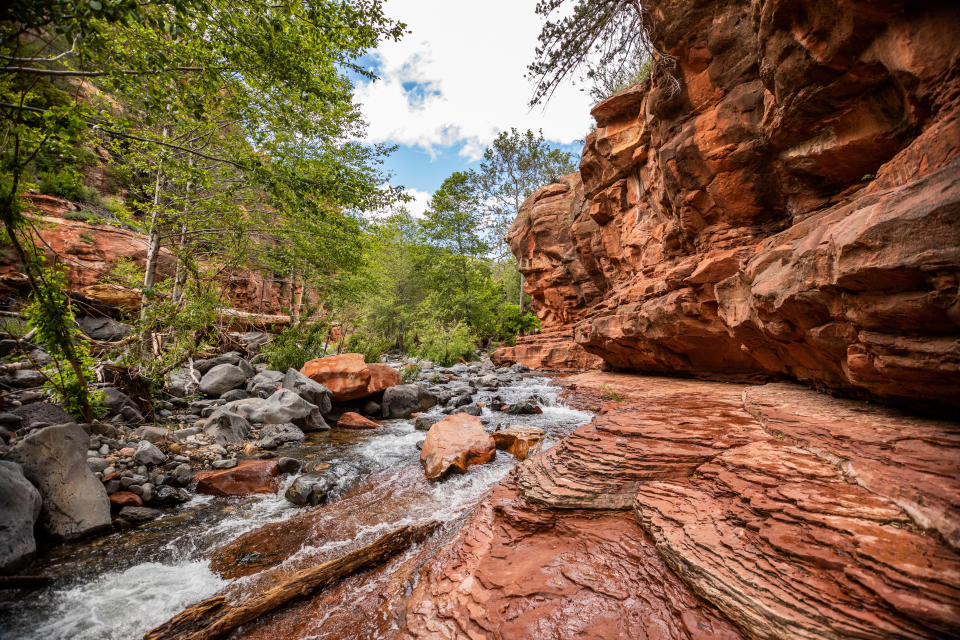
{"x":794,"y":210}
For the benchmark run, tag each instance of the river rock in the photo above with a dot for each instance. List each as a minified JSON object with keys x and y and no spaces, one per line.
{"x":286,"y":406}
{"x":454,"y":444}
{"x":206,"y":364}
{"x":309,"y":490}
{"x":288,"y":465}
{"x":310,"y":390}
{"x":350,"y":377}
{"x":235,"y":394}
{"x":25,"y":378}
{"x":402,"y":400}
{"x":120,"y":403}
{"x":226,"y":427}
{"x":423,"y":423}
{"x":181,"y":384}
{"x":222,"y":378}
{"x":265,"y":383}
{"x":19,"y":508}
{"x":41,"y":413}
{"x":147,"y":453}
{"x":74,"y":500}
{"x":125,"y":499}
{"x":154,"y":434}
{"x":519,"y":440}
{"x":248,"y":477}
{"x":104,"y":328}
{"x":274,"y":435}
{"x":522,"y":409}
{"x":352,"y":420}
{"x":139,"y":515}
{"x":182,"y":475}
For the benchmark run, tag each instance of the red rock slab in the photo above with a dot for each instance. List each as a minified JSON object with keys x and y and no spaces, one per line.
{"x":548,"y":351}
{"x":519,"y":440}
{"x":349,"y":377}
{"x":454,"y":444}
{"x":518,"y":572}
{"x":786,"y":547}
{"x":667,"y":429}
{"x":352,"y":420}
{"x":125,"y":499}
{"x":913,"y":462}
{"x":248,"y":477}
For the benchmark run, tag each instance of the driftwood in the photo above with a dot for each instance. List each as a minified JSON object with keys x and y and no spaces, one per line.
{"x":216,"y":618}
{"x":25,"y":582}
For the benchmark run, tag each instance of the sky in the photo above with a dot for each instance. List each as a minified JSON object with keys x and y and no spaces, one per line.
{"x":452,"y":83}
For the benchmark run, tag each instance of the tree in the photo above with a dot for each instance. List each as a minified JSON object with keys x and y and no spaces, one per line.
{"x":513,"y":167}
{"x":598,"y":39}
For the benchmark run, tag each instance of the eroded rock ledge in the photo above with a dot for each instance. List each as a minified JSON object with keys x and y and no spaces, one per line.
{"x":773,"y":511}
{"x":793,"y":213}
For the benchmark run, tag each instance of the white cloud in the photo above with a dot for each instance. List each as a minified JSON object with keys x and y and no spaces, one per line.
{"x":467,"y":60}
{"x":419,"y":204}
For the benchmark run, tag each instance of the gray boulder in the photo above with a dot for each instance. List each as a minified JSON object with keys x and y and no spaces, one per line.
{"x":74,"y":501}
{"x":154,"y":434}
{"x":274,"y":435}
{"x":310,"y":390}
{"x":44,"y":413}
{"x":402,"y":400}
{"x":147,"y":453}
{"x":104,"y":328}
{"x":236,"y":394}
{"x":25,"y":378}
{"x":226,"y":427}
{"x":489,"y":381}
{"x":181,"y":384}
{"x":265,"y":383}
{"x":471,"y":410}
{"x":139,"y":515}
{"x":423,"y":423}
{"x":222,"y":378}
{"x":205,"y":365}
{"x":120,"y":403}
{"x":19,"y":508}
{"x":286,"y":406}
{"x":309,"y":490}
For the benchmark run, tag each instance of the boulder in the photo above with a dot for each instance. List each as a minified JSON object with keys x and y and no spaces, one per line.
{"x":274,"y":435}
{"x":309,"y":490}
{"x":522,"y":409}
{"x":154,"y":434}
{"x":54,"y":459}
{"x":25,"y":378}
{"x":265,"y":383}
{"x":138,"y":515}
{"x":41,"y":413}
{"x":423,"y":423}
{"x":104,"y":328}
{"x":286,"y":406}
{"x":349,"y":377}
{"x":147,"y":453}
{"x":222,"y":378}
{"x":488,"y":381}
{"x":113,"y":295}
{"x":226,"y":427}
{"x":454,"y":444}
{"x":120,"y":403}
{"x":519,"y":440}
{"x":310,"y":390}
{"x":402,"y":400}
{"x":19,"y":508}
{"x":206,"y":364}
{"x":181,"y":384}
{"x":121,"y":499}
{"x":351,"y":420}
{"x":248,"y":477}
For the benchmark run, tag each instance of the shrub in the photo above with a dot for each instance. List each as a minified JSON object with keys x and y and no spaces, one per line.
{"x":371,"y":346}
{"x":447,"y":345}
{"x":410,"y":373}
{"x":512,"y":322}
{"x":66,"y":184}
{"x":295,"y":345}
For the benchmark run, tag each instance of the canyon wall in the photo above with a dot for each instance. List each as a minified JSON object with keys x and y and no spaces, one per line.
{"x":792,"y":211}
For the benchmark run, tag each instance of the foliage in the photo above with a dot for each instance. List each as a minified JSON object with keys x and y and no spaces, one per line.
{"x":446,"y":345}
{"x":66,"y":184}
{"x":370,"y":345}
{"x":410,"y":373}
{"x":597,"y":39}
{"x":610,"y":80}
{"x":514,"y":322}
{"x":296,"y":345}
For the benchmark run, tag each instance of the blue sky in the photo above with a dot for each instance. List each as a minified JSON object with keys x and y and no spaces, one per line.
{"x":453,"y":83}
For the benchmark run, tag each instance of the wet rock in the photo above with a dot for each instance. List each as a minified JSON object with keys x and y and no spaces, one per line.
{"x":461,"y":400}
{"x":288,"y":465}
{"x":423,"y":423}
{"x":286,"y":406}
{"x":349,"y":377}
{"x":274,"y":435}
{"x":104,"y":328}
{"x":519,"y":440}
{"x":139,"y":515}
{"x":371,"y":408}
{"x":147,"y":453}
{"x":169,"y":497}
{"x":471,"y":410}
{"x":248,"y":477}
{"x":125,"y":499}
{"x":24,"y":378}
{"x":454,"y":444}
{"x":310,"y":390}
{"x":74,"y":500}
{"x":489,"y":381}
{"x":19,"y":508}
{"x":522,"y":409}
{"x":351,"y":420}
{"x":227,"y":463}
{"x":226,"y":427}
{"x":182,"y":475}
{"x":402,"y":400}
{"x":222,"y":378}
{"x":309,"y":490}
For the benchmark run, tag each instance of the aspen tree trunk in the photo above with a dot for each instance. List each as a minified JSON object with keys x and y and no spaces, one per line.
{"x":153,"y":246}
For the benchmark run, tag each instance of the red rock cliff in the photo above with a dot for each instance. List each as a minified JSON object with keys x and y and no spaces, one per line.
{"x":793,"y":211}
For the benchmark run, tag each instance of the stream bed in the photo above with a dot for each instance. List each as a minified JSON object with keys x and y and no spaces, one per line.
{"x":119,"y":586}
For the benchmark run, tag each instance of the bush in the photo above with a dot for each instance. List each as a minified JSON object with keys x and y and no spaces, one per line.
{"x":410,"y":373}
{"x":371,"y":346}
{"x":66,"y":184}
{"x":447,"y":345}
{"x":513,"y":323}
{"x":296,"y":345}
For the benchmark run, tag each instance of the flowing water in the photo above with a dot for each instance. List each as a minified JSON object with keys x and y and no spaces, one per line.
{"x":121,"y":585}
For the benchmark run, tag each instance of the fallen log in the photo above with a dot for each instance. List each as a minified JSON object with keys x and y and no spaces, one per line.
{"x":216,"y":618}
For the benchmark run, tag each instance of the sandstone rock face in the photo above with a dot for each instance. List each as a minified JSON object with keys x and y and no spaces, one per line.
{"x":794,"y":210}
{"x":519,"y":440}
{"x":454,"y":444}
{"x":249,"y":476}
{"x":349,"y":377}
{"x":54,"y":459}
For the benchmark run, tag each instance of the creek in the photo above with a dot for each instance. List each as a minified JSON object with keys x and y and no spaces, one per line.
{"x":119,"y":586}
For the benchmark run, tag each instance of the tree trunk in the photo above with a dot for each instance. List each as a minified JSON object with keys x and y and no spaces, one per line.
{"x":521,"y":294}
{"x":153,"y":247}
{"x":216,"y":618}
